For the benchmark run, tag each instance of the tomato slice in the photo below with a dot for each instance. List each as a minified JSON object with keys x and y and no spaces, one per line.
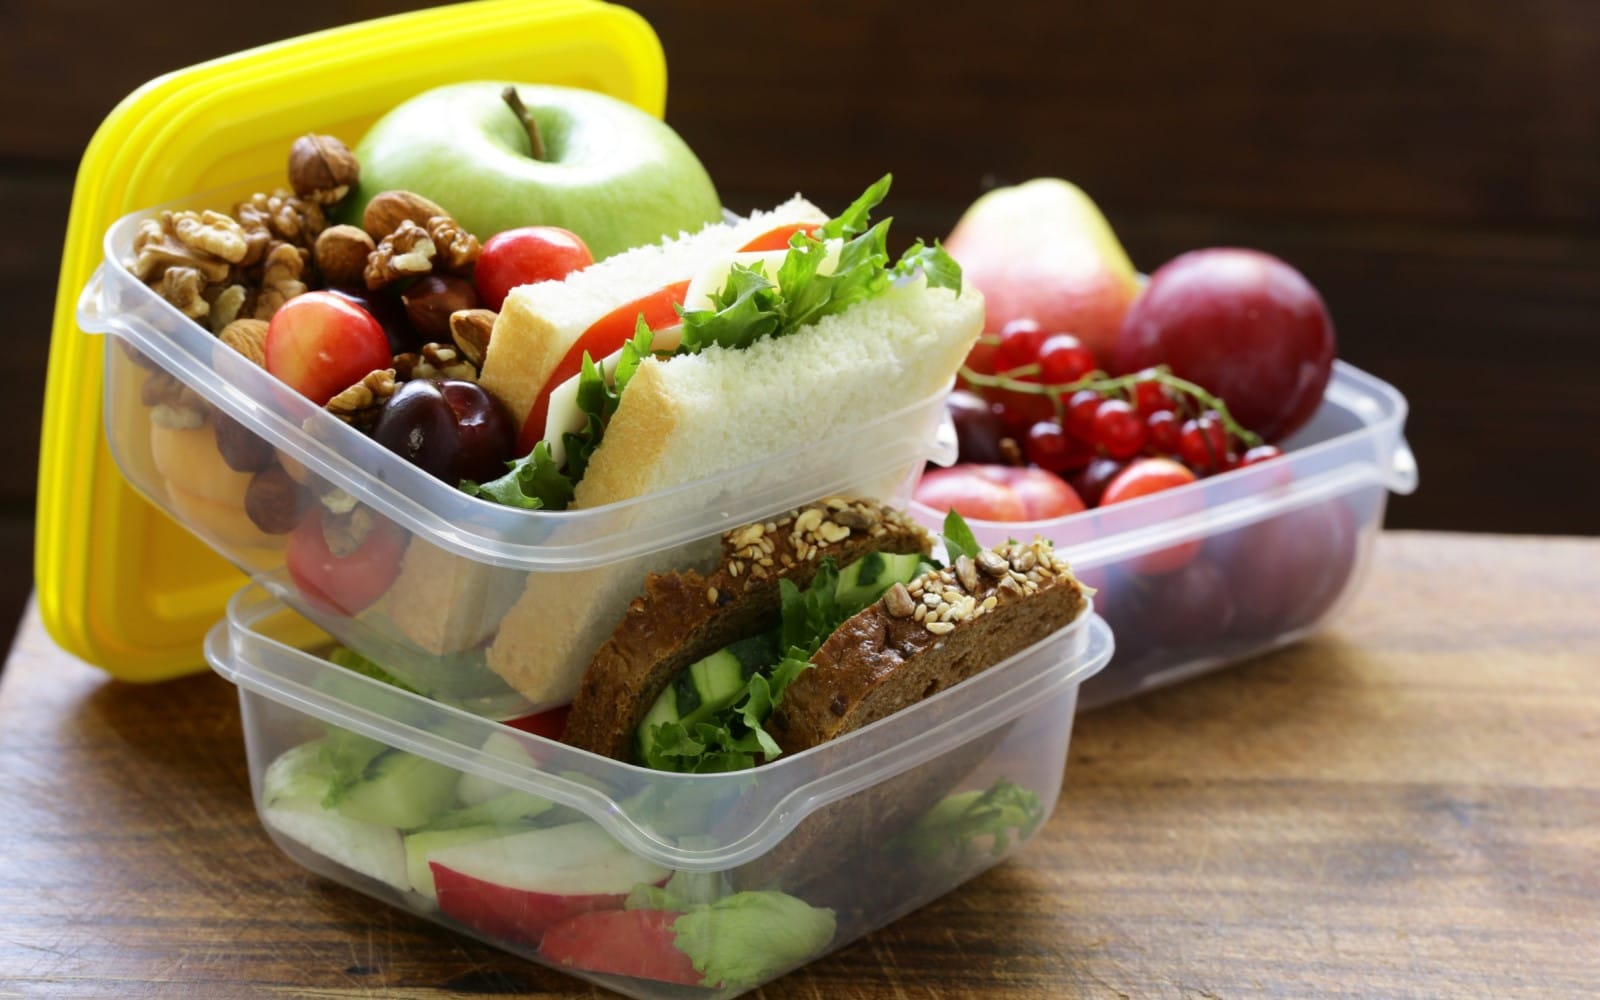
{"x":776,"y":239}
{"x":605,"y":336}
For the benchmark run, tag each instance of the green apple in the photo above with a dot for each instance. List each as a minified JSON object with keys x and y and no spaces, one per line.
{"x":607,"y":171}
{"x":1043,"y":251}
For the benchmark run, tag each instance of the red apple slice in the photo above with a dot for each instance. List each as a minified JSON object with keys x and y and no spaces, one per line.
{"x":516,"y":887}
{"x":638,"y":943}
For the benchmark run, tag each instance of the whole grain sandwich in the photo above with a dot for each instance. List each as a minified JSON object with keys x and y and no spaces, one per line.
{"x":814,"y":624}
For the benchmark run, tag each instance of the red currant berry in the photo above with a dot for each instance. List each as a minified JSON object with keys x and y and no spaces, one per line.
{"x":1050,"y":447}
{"x":1260,"y":453}
{"x":1081,"y":408}
{"x":1203,"y":443}
{"x":1063,"y":359}
{"x":1150,"y":396}
{"x":1019,"y":345}
{"x":1164,"y":427}
{"x":1118,"y":430}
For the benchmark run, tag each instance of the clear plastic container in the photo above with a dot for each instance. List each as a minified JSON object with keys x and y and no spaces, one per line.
{"x":1201,"y":576}
{"x":509,"y":836}
{"x":438,"y":573}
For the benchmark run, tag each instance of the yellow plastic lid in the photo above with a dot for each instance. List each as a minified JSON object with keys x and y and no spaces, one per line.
{"x":120,"y":584}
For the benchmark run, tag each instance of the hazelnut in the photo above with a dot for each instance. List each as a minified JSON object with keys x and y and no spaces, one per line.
{"x":471,"y":329}
{"x":341,"y":254}
{"x":274,"y":501}
{"x":431,"y":300}
{"x":242,"y":449}
{"x":388,"y":209}
{"x":322,"y":169}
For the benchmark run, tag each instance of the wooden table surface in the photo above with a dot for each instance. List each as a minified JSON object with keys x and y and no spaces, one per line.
{"x":1405,"y":806}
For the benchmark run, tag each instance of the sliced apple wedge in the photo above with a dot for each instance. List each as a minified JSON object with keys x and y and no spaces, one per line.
{"x":422,"y":846}
{"x":515,"y":887}
{"x":637,"y":943}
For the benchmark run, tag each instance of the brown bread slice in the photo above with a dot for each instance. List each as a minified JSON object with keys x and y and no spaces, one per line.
{"x":682,"y":617}
{"x":903,"y":649}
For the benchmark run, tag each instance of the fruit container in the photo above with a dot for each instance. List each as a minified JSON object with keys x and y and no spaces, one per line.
{"x":648,"y":883}
{"x":1197,"y":577}
{"x":437,"y":572}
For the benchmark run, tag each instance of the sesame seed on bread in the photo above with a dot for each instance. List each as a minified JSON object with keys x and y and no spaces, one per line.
{"x":683,"y":617}
{"x":942,"y":628}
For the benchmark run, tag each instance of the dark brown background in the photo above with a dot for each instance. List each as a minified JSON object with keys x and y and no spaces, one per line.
{"x":1433,"y":167}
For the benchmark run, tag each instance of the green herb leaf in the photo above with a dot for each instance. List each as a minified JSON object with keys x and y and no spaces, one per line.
{"x":534,"y":482}
{"x":859,"y":276}
{"x":811,"y":615}
{"x":958,"y":537}
{"x":966,"y":820}
{"x":938,"y":267}
{"x":356,"y":663}
{"x":853,"y":220}
{"x":746,"y":309}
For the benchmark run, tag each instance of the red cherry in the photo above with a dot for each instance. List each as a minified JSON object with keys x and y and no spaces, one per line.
{"x":321,"y":344}
{"x":343,"y":585}
{"x":1020,"y":341}
{"x":1118,"y":430}
{"x":1063,"y":359}
{"x":524,"y":256}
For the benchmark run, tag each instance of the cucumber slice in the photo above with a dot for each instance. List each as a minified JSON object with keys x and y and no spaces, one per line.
{"x":299,"y":779}
{"x":866,"y":579}
{"x":504,"y":810}
{"x":400,"y":790}
{"x":709,"y":684}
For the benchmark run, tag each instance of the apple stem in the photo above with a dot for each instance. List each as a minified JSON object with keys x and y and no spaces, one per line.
{"x":514,"y":100}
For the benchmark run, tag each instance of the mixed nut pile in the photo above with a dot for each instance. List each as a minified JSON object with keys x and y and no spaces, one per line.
{"x":408,"y":264}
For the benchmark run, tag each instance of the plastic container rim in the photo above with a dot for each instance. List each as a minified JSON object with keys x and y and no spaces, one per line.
{"x":230,"y":643}
{"x":414,"y":499}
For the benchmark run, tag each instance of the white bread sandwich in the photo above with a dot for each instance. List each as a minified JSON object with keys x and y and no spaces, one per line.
{"x":771,"y":350}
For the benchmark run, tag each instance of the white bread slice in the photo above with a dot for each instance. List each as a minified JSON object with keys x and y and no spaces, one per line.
{"x":695,"y":416}
{"x":446,"y":603}
{"x":539,"y":323}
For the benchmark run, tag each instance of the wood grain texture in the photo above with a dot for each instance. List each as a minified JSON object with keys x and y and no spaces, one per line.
{"x":1406,"y":806}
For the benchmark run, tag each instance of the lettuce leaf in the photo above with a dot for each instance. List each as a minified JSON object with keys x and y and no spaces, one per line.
{"x":535,"y":481}
{"x":734,"y":738}
{"x":751,"y":305}
{"x":965,"y":820}
{"x":354,"y":662}
{"x":749,"y":937}
{"x":747,"y":308}
{"x":938,"y":267}
{"x":532,"y":482}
